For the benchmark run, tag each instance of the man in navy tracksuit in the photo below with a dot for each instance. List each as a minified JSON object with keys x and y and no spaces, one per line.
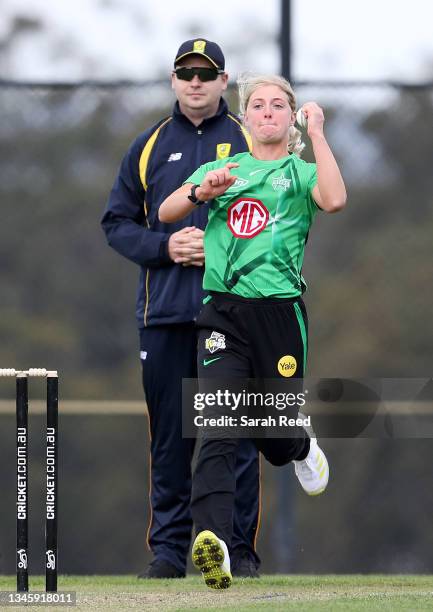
{"x":171,"y":259}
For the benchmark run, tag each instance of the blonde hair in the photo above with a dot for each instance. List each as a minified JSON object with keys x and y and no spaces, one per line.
{"x":247,"y":85}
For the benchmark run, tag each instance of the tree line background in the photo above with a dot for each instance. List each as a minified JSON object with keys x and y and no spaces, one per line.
{"x":68,"y":303}
{"x":67,"y":299}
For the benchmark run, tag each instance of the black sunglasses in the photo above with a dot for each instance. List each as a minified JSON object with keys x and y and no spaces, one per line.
{"x":204,"y":74}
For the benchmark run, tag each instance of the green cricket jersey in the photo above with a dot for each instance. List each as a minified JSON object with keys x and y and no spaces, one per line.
{"x":256,"y":232}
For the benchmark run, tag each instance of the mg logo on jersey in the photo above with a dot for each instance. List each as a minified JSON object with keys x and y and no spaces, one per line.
{"x":247,"y":218}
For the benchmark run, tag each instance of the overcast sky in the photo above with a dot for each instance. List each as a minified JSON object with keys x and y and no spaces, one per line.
{"x":373,"y":39}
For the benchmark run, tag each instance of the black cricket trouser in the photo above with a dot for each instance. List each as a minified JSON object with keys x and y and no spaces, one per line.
{"x":168,"y":354}
{"x":243,"y":338}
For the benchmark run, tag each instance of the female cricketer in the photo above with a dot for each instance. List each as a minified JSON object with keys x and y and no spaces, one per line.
{"x":254,"y":324}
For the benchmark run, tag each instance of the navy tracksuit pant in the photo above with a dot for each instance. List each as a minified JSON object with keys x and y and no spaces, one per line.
{"x":168,"y":354}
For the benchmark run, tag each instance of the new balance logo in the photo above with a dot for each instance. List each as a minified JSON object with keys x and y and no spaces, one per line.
{"x":174,"y":157}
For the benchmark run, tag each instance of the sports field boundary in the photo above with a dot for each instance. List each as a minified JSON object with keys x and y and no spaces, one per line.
{"x":277,"y":592}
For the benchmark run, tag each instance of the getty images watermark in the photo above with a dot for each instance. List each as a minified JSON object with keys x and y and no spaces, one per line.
{"x":245,"y":400}
{"x":332,"y":407}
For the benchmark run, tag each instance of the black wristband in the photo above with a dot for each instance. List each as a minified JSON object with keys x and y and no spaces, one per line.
{"x":193,"y":198}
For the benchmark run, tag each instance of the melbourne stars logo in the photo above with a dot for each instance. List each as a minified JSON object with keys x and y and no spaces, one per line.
{"x":216,"y":342}
{"x":281,"y":183}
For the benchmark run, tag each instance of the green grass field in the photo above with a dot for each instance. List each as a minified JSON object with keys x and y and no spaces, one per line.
{"x":301,"y":593}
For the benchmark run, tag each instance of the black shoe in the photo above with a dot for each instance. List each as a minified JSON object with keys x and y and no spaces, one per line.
{"x":244,"y":566}
{"x":159,"y":568}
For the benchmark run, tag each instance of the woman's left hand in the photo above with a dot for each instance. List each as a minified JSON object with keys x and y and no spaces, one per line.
{"x":315,"y":118}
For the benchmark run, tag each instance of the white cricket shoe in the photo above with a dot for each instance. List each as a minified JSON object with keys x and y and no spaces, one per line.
{"x":313,"y":471}
{"x":211,"y":556}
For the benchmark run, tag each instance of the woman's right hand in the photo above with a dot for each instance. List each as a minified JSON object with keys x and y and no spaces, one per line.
{"x":216,"y":182}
